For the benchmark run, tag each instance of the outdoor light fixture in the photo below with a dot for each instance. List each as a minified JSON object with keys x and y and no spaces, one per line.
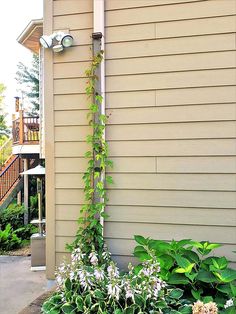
{"x":46,"y":41}
{"x":57,"y":41}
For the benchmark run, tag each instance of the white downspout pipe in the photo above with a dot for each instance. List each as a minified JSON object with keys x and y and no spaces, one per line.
{"x":99,"y":26}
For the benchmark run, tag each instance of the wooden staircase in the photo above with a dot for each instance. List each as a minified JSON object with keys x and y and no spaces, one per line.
{"x":10,"y":179}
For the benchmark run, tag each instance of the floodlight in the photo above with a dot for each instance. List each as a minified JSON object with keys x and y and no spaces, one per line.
{"x":46,"y":41}
{"x":58,"y":41}
{"x":67,"y":40}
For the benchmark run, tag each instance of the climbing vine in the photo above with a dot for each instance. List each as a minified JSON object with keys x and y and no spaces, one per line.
{"x":90,"y":231}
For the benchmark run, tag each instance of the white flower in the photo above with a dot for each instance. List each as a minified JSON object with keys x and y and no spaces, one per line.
{"x":229,"y":303}
{"x":112,"y":271}
{"x":99,"y":275}
{"x":129,"y":294}
{"x":114,"y":291}
{"x":93,"y":258}
{"x":72,"y":275}
{"x":84,"y":279}
{"x":106,"y":255}
{"x":77,"y":255}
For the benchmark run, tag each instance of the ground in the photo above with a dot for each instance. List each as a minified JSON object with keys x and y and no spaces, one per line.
{"x":19,"y":286}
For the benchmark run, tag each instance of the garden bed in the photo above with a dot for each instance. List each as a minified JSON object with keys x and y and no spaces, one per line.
{"x":35,"y":306}
{"x":24,"y":251}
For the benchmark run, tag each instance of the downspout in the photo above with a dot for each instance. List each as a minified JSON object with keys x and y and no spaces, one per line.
{"x":98,"y":27}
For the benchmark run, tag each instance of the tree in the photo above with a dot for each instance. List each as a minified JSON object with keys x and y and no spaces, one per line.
{"x":28,"y":80}
{"x":4,"y":131}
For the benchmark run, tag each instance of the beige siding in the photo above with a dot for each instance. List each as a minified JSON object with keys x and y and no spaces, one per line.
{"x":170,"y":77}
{"x":171,"y":102}
{"x":66,"y":120}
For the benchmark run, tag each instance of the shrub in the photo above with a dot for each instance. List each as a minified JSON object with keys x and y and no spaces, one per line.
{"x":99,"y":287}
{"x":184,"y":265}
{"x":13,"y":215}
{"x":9,"y":239}
{"x":26,"y":231}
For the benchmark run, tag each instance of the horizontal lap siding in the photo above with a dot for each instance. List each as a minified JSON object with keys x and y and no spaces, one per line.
{"x":171,"y":102}
{"x":70,"y":102}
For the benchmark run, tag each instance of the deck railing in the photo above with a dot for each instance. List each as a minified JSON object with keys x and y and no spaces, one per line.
{"x":25,"y":130}
{"x":5,"y":152}
{"x":10,"y":175}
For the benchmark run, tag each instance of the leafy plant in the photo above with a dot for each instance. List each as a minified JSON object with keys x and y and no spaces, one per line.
{"x":9,"y":239}
{"x":99,"y":287}
{"x":185,"y":264}
{"x":26,"y":231}
{"x":90,"y":228}
{"x":13,"y":215}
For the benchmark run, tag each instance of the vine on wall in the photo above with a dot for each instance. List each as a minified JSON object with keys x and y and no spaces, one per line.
{"x":90,"y":231}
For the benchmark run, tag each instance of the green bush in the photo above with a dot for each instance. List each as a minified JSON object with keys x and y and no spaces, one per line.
{"x":13,"y":215}
{"x":9,"y":239}
{"x":98,"y":287}
{"x":184,"y":264}
{"x":26,"y":231}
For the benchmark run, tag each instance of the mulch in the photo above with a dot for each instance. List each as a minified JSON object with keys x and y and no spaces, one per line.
{"x":24,"y":251}
{"x":35,"y":306}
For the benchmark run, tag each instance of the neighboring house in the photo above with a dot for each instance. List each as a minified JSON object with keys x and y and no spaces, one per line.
{"x":170,"y":76}
{"x":22,"y":151}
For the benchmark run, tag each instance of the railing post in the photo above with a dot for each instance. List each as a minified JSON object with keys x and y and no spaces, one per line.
{"x":21,"y":126}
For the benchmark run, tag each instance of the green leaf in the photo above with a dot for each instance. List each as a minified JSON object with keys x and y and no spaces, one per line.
{"x":185,"y":309}
{"x":197,"y":245}
{"x":159,"y":246}
{"x":176,"y":294}
{"x":141,"y":240}
{"x":206,"y":276}
{"x":224,"y":288}
{"x":233,"y":289}
{"x":68,"y":284}
{"x":212,"y":246}
{"x":207,"y":299}
{"x":191,"y":276}
{"x":178,"y":279}
{"x":139,"y":300}
{"x":180,"y":270}
{"x":196,"y":294}
{"x":139,"y":248}
{"x":109,"y":180}
{"x":183,"y":243}
{"x":68,"y":308}
{"x":230,"y":310}
{"x":88,"y":300}
{"x":226,"y":275}
{"x":182,"y":261}
{"x":98,"y":294}
{"x":191,"y":256}
{"x":47,"y":306}
{"x":143,"y":256}
{"x":166,"y":261}
{"x":129,"y":310}
{"x":118,"y":311}
{"x":79,"y":302}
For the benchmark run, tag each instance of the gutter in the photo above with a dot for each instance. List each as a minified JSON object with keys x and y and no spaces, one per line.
{"x":99,"y":27}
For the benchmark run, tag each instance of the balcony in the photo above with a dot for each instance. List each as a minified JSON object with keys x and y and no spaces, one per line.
{"x":25,"y":135}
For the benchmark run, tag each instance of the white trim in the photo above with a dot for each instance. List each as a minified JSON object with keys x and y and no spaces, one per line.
{"x":25,"y":149}
{"x":38,"y":268}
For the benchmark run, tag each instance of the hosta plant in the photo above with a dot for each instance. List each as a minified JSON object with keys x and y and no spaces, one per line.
{"x":186,"y":264}
{"x":99,"y":287}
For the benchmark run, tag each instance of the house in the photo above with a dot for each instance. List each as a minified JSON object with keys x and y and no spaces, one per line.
{"x":169,"y":84}
{"x":22,"y":150}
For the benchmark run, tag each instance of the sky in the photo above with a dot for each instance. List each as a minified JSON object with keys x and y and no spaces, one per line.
{"x":14,"y":17}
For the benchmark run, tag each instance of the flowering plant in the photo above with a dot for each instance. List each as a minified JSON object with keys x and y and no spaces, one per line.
{"x":99,"y":287}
